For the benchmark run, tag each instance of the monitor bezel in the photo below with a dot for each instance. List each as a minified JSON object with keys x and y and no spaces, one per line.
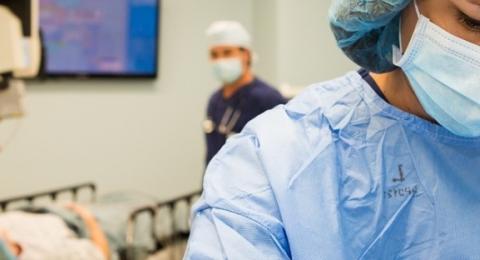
{"x":45,"y":74}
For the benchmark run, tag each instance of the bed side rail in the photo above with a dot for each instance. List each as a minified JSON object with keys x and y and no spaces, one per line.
{"x":131,"y":252}
{"x":161,"y":243}
{"x":170,"y":204}
{"x":52,"y":194}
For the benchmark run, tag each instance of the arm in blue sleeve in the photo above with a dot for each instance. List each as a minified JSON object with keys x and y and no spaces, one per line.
{"x":237,"y":216}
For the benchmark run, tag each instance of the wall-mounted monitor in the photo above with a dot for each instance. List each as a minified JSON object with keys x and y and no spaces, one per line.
{"x":100,"y":38}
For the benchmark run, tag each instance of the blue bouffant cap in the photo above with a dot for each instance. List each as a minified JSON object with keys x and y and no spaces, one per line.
{"x":367,"y":30}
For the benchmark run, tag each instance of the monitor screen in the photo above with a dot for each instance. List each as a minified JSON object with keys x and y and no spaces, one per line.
{"x":100,"y":37}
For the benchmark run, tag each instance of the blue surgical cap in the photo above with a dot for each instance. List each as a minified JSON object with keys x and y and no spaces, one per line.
{"x":367,"y":30}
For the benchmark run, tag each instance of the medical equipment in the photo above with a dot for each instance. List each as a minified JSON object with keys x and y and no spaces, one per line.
{"x":143,"y":218}
{"x":122,"y":40}
{"x":19,"y":52}
{"x":229,"y":120}
{"x":227,"y":124}
{"x":12,"y":99}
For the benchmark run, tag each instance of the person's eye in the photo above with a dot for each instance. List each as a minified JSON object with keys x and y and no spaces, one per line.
{"x":469,"y":23}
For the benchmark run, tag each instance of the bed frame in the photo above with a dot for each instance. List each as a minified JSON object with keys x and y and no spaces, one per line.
{"x":128,"y":253}
{"x":161,"y":243}
{"x":52,"y":194}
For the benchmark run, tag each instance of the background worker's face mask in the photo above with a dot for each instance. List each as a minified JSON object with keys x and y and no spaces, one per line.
{"x":228,"y":70}
{"x":444,"y":72}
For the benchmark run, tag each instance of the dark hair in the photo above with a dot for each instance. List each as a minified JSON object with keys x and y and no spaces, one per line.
{"x":242,"y":49}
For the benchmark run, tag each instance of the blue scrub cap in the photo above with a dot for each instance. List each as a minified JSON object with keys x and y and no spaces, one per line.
{"x":5,"y":253}
{"x":366,"y":30}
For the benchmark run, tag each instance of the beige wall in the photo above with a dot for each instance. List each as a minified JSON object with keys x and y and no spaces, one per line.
{"x":141,"y":135}
{"x":146,"y":135}
{"x":307,"y":51}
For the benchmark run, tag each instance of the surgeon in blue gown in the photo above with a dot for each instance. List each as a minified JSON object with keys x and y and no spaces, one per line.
{"x":382,"y":163}
{"x":243,"y":96}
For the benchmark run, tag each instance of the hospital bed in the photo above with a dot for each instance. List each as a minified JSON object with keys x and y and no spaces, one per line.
{"x":168,"y":242}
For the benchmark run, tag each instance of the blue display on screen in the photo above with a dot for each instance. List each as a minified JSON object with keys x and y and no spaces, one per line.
{"x":100,"y":37}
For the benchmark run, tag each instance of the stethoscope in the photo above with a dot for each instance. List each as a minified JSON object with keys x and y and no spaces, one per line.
{"x":229,"y":120}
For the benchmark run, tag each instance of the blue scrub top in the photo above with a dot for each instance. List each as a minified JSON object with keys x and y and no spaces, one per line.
{"x":338,"y":173}
{"x":251,"y":101}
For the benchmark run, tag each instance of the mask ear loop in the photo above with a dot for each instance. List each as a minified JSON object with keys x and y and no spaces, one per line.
{"x":417,"y":10}
{"x":400,"y":40}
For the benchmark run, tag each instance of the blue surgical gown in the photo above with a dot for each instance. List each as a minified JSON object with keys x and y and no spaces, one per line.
{"x":338,"y":173}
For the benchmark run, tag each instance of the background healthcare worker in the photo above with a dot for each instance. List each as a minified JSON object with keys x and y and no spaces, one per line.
{"x":242,"y":96}
{"x":380,"y":165}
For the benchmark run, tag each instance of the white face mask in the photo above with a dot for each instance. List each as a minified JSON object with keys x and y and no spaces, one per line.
{"x":228,"y":70}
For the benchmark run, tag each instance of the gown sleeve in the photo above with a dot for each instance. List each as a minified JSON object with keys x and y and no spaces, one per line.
{"x":237,"y":216}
